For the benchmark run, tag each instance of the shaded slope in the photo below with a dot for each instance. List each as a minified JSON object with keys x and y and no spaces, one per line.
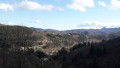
{"x":97,"y":55}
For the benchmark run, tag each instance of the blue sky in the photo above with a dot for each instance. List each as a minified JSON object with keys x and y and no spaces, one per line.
{"x":61,"y":14}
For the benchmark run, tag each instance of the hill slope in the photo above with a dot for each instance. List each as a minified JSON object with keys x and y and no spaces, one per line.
{"x":21,"y":47}
{"x":96,"y":55}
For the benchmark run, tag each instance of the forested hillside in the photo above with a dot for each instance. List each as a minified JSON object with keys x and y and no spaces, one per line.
{"x":23,"y":47}
{"x":95,"y":55}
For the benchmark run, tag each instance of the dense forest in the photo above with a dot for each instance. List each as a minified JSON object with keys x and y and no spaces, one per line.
{"x":23,"y":47}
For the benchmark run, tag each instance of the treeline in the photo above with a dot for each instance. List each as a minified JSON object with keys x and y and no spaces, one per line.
{"x":15,"y":42}
{"x":16,"y":36}
{"x":90,"y":55}
{"x":64,"y":39}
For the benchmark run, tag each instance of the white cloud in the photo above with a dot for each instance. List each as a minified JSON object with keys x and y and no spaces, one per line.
{"x":38,"y":21}
{"x":96,"y":25}
{"x":10,"y":23}
{"x":60,"y":9}
{"x":115,"y":4}
{"x":103,"y":4}
{"x":6,"y":7}
{"x":30,"y":5}
{"x":81,"y":5}
{"x":27,"y":5}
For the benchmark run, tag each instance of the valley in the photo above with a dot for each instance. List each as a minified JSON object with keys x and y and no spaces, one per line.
{"x":22,"y":47}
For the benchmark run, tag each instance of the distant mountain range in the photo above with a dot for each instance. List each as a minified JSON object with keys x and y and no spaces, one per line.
{"x":103,"y":31}
{"x":1,"y":24}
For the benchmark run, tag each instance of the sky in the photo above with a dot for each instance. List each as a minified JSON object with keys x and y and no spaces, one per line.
{"x":61,"y":14}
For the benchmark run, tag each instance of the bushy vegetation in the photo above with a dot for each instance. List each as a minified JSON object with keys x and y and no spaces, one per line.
{"x":92,"y":55}
{"x":16,"y":36}
{"x":15,"y":40}
{"x":65,"y":39}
